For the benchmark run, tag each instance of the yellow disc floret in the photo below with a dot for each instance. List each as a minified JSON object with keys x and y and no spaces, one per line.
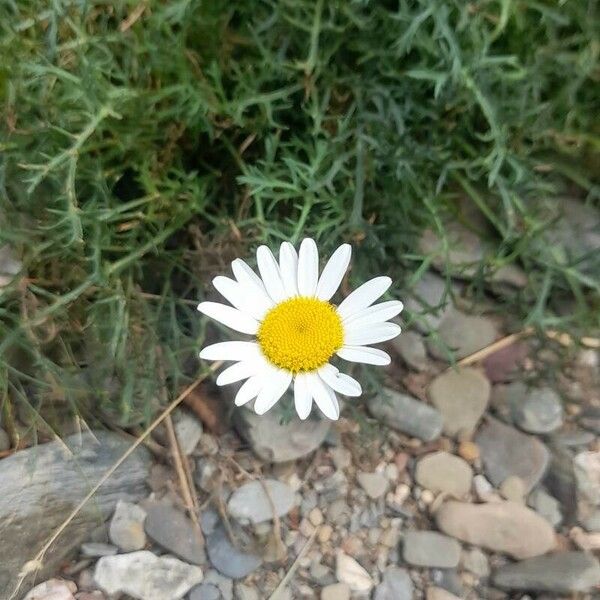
{"x":301,"y":334}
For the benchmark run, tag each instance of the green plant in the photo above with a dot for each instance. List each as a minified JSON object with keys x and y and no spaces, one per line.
{"x":145,"y":144}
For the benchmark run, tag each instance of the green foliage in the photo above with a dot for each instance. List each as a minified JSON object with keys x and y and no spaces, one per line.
{"x":146,"y":144}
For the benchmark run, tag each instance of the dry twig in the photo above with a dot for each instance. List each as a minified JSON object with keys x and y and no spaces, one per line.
{"x":191,"y":502}
{"x":275,"y":595}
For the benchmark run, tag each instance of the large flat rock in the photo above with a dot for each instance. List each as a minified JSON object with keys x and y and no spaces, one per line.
{"x":43,"y":484}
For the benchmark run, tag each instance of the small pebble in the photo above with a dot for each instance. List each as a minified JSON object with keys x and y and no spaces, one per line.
{"x":315,"y":517}
{"x":375,"y":484}
{"x":469,"y":451}
{"x":336,"y":591}
{"x":306,"y":528}
{"x":53,"y":589}
{"x":127,"y":527}
{"x":401,"y":460}
{"x":427,"y":497}
{"x":324,"y":534}
{"x":392,"y":472}
{"x":341,"y":457}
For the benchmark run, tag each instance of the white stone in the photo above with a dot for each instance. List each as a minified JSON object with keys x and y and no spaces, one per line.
{"x":348,"y":571}
{"x":53,"y":589}
{"x":145,"y":576}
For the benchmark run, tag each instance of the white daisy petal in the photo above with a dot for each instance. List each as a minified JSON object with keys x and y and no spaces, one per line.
{"x":371,"y":334}
{"x":269,"y":271}
{"x":242,"y":297}
{"x":250,"y":280}
{"x":240,"y":370}
{"x":231,"y":351}
{"x":244,"y":273}
{"x":249,"y":390}
{"x":288,"y":266}
{"x":364,"y":354}
{"x":334,"y":272}
{"x":308,"y":267}
{"x":324,"y":397}
{"x":377,"y":313}
{"x":364,"y":296}
{"x":232,"y":317}
{"x":277,"y":382}
{"x":230,"y":290}
{"x":340,"y":382}
{"x":302,"y":396}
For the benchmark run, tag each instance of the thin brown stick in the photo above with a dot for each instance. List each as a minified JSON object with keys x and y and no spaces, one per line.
{"x":181,"y":464}
{"x":184,"y":486}
{"x":191,"y":485}
{"x":275,"y":595}
{"x":36,"y":562}
{"x":498,"y":345}
{"x":150,"y":296}
{"x":565,"y":339}
{"x":281,"y":549}
{"x":561,"y":337}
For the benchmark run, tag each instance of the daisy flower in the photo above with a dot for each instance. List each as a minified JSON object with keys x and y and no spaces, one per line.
{"x":297,"y":329}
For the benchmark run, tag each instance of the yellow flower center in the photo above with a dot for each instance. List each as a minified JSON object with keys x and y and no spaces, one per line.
{"x":301,"y":334}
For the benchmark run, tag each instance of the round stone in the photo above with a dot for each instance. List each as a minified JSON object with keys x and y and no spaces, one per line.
{"x":461,"y":395}
{"x":444,"y":472}
{"x":535,"y":410}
